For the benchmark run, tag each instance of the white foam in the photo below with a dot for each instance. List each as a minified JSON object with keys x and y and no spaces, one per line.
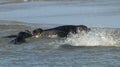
{"x":93,"y":38}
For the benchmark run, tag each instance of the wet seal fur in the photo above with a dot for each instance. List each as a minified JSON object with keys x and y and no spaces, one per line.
{"x":20,"y":37}
{"x":60,"y":31}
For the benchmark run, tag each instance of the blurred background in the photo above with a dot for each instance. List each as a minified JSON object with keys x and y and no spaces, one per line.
{"x":14,"y":1}
{"x":96,"y":13}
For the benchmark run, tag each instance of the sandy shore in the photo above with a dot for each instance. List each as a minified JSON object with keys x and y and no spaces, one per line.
{"x":21,"y":26}
{"x":16,"y":25}
{"x":7,"y":22}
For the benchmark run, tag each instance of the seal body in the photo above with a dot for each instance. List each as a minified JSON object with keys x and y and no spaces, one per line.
{"x":20,"y":37}
{"x":60,"y":31}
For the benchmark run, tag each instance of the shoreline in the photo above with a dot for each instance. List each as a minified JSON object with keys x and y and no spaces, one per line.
{"x":6,"y":24}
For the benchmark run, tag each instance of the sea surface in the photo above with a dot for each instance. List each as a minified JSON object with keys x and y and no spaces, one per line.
{"x":98,"y":48}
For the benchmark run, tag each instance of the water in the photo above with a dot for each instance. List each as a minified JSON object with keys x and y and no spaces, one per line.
{"x":102,"y":13}
{"x":79,"y":57}
{"x":99,"y":48}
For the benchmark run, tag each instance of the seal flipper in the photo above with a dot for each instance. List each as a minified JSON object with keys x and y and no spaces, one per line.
{"x":10,"y":36}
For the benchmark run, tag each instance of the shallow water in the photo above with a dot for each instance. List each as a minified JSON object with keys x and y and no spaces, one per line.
{"x":55,"y":52}
{"x":98,"y":48}
{"x":78,"y":57}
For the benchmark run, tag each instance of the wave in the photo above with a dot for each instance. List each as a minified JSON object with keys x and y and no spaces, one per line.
{"x":96,"y":37}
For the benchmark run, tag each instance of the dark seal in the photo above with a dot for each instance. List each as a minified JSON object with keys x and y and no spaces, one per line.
{"x":61,"y":31}
{"x":20,"y":37}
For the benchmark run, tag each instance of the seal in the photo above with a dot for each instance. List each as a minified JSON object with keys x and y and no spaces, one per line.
{"x":60,"y":31}
{"x":20,"y":37}
{"x":48,"y":32}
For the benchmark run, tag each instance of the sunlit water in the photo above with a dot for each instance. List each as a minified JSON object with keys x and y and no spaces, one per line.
{"x":98,"y":48}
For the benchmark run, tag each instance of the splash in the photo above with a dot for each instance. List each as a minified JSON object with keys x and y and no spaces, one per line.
{"x":96,"y":37}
